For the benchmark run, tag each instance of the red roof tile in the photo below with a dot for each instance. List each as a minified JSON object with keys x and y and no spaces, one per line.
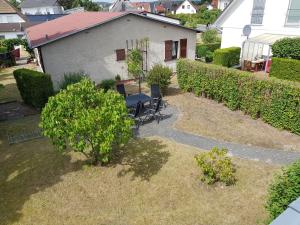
{"x":66,"y":25}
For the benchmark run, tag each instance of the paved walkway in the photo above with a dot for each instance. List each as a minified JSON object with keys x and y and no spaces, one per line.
{"x":165,"y":129}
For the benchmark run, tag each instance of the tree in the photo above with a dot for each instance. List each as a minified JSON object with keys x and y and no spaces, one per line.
{"x":210,"y":36}
{"x":134,"y":64}
{"x":87,"y":4}
{"x":14,"y":3}
{"x":89,"y":120}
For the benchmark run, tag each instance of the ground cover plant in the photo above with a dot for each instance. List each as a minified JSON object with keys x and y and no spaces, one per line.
{"x":91,"y":121}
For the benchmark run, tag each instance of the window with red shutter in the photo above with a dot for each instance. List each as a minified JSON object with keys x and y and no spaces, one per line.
{"x":183,"y":48}
{"x":121,"y":54}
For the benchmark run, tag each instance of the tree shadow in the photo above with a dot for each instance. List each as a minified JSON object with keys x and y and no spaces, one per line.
{"x":26,"y":169}
{"x":143,"y":158}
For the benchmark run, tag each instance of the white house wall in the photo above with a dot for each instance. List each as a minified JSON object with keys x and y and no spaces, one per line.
{"x":10,"y":18}
{"x":93,"y":51}
{"x":43,"y":10}
{"x":273,"y":22}
{"x":222,"y":4}
{"x":188,"y":8}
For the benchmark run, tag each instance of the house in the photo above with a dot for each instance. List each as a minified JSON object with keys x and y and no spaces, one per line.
{"x":186,"y":7}
{"x":98,"y":42}
{"x":12,"y":22}
{"x":142,"y":6}
{"x":255,"y":25}
{"x":38,"y":7}
{"x":220,"y":4}
{"x":123,"y":6}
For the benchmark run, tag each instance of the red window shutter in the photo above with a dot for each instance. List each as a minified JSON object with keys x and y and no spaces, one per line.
{"x":183,"y":48}
{"x":168,"y":50}
{"x":121,"y":55}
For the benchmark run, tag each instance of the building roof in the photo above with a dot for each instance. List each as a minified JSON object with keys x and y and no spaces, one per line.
{"x":5,"y":7}
{"x":227,"y":12}
{"x":290,"y":216}
{"x":37,"y":3}
{"x":15,"y":27}
{"x":43,"y":18}
{"x":122,"y":6}
{"x":143,"y":6}
{"x":53,"y":30}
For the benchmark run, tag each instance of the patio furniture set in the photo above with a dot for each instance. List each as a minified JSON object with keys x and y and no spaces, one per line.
{"x":143,"y":108}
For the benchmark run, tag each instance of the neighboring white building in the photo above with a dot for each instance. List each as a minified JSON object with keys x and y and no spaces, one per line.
{"x":98,"y":42}
{"x":11,"y":21}
{"x":40,"y":7}
{"x":263,"y":16}
{"x":186,"y":7}
{"x":222,"y":4}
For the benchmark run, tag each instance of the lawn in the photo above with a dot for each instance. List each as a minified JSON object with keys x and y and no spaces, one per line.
{"x":149,"y":181}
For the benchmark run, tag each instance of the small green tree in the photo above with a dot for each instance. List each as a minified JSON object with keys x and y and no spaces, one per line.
{"x":210,"y":36}
{"x":160,"y":75}
{"x":134,"y":64}
{"x":91,"y":121}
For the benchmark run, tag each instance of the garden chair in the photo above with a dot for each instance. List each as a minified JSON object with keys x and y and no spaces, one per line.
{"x":135,"y":114}
{"x":156,"y":94}
{"x":154,"y":111}
{"x":121,"y":89}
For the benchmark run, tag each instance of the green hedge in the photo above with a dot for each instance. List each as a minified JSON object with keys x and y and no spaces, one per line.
{"x":227,"y":56}
{"x":35,"y":87}
{"x":203,"y":49}
{"x":276,"y":102}
{"x":3,"y":50}
{"x":287,"y":48}
{"x":287,"y":69}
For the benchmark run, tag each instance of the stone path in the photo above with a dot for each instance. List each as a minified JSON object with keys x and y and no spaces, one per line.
{"x":165,"y":129}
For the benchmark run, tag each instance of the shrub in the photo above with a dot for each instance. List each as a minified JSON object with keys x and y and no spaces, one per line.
{"x":206,"y":50}
{"x":287,"y":69}
{"x":108,"y":84}
{"x":210,"y":36}
{"x":276,"y":101}
{"x":201,"y":51}
{"x":160,"y":75}
{"x":227,"y":56}
{"x":72,"y":78}
{"x":209,"y":56}
{"x":216,"y":166}
{"x":91,"y":121}
{"x":287,"y":48}
{"x":35,"y":87}
{"x":3,"y":50}
{"x":118,"y":78}
{"x":284,"y":190}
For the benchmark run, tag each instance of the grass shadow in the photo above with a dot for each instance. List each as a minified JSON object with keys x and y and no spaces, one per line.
{"x":142,"y":158}
{"x":26,"y":169}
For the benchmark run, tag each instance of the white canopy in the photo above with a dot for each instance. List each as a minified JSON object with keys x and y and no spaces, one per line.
{"x":268,"y":39}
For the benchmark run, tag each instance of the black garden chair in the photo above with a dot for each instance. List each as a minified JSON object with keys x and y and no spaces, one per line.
{"x":154,"y":111}
{"x":135,"y":114}
{"x":121,"y":89}
{"x":156,"y":94}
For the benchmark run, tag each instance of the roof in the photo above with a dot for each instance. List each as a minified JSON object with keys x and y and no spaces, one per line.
{"x":37,"y":3}
{"x":220,"y":20}
{"x":15,"y":27}
{"x":43,"y":18}
{"x":5,"y":7}
{"x":268,"y":39}
{"x":122,"y":6}
{"x":196,"y":8}
{"x":53,"y":30}
{"x":290,"y":216}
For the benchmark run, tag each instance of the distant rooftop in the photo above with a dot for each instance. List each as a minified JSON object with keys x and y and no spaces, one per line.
{"x":37,"y":3}
{"x":5,"y":7}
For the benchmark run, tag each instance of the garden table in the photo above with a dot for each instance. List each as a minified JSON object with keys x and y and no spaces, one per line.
{"x":132,"y":100}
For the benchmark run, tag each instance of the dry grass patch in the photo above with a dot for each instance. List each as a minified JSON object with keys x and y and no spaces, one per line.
{"x":150,"y":181}
{"x":208,"y":118}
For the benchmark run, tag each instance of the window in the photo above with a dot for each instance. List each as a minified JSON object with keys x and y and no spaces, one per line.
{"x":171,"y":49}
{"x":183,"y":48}
{"x":258,"y":11}
{"x":183,"y":6}
{"x":188,"y":6}
{"x":293,"y":14}
{"x":121,"y":55}
{"x":2,"y":37}
{"x":20,"y":36}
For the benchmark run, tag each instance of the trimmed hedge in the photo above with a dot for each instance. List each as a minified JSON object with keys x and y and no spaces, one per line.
{"x":276,"y":102}
{"x":287,"y":48}
{"x":35,"y":87}
{"x":203,"y":49}
{"x":227,"y":56}
{"x":287,"y":69}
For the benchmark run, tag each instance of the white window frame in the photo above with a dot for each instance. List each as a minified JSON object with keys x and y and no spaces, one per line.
{"x":287,"y":17}
{"x":252,"y":15}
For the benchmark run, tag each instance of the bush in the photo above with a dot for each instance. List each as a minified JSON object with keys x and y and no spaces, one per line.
{"x":216,"y":166}
{"x":210,"y":36}
{"x":206,"y":50}
{"x":287,"y":69}
{"x":227,"y":56}
{"x":209,"y":56}
{"x":108,"y":84}
{"x":118,"y":78}
{"x":284,"y":190}
{"x":201,"y":51}
{"x":72,"y":78}
{"x":160,"y":75}
{"x":3,"y":50}
{"x":287,"y":48}
{"x":88,"y":120}
{"x":277,"y":102}
{"x":35,"y":87}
